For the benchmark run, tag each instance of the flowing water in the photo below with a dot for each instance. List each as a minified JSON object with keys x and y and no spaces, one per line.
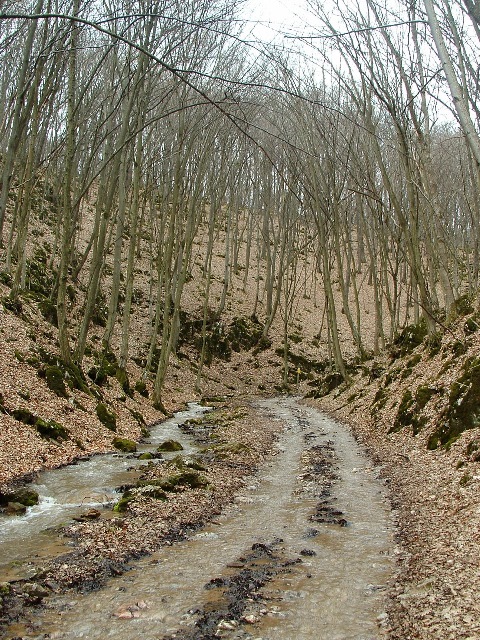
{"x":67,"y":491}
{"x":334,"y":593}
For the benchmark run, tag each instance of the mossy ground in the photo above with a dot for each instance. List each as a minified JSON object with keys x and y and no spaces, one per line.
{"x":106,"y":417}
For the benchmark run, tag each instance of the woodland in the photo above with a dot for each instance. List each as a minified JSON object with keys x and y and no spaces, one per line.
{"x":139,"y":126}
{"x":187,"y":211}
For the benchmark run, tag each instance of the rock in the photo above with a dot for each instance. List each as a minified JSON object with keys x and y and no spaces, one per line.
{"x":5,"y":588}
{"x":26,"y":496}
{"x":170,"y":445}
{"x":125,"y":445}
{"x":35,"y":590}
{"x":227,"y":625}
{"x":23,"y":495}
{"x":251,"y":619}
{"x":145,"y":456}
{"x":307,"y":552}
{"x":15,"y":509}
{"x":91,"y":514}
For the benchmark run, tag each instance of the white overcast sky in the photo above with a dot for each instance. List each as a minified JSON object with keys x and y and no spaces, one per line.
{"x":276,"y":17}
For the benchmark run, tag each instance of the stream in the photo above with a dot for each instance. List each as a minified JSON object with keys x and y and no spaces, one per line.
{"x":322,"y":580}
{"x":66,"y":492}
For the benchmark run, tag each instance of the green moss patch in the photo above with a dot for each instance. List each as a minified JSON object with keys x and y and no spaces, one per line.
{"x":106,"y":417}
{"x":55,"y":380}
{"x":229,"y":449}
{"x":123,"y":380}
{"x":245,"y":333}
{"x":434,"y":344}
{"x":138,"y":417}
{"x":141,"y":388}
{"x":183,"y":479}
{"x":409,"y":339}
{"x":51,"y":429}
{"x":408,"y":415}
{"x":326,"y":384}
{"x":122,"y":505}
{"x":46,"y":428}
{"x":423,"y":395}
{"x":13,"y":304}
{"x":462,"y":306}
{"x":379,"y":400}
{"x":169,"y":445}
{"x":24,"y":496}
{"x":125,"y":445}
{"x":463,"y":411}
{"x":471,"y":325}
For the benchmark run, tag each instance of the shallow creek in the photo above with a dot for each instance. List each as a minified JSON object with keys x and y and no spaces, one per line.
{"x":335,"y":592}
{"x":67,"y":491}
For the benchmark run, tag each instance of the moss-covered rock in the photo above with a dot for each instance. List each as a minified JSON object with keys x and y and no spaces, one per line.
{"x":459,"y":348}
{"x":326,"y":384}
{"x":122,"y":505}
{"x":46,"y":428}
{"x":434,"y":344}
{"x":463,"y":411}
{"x":462,"y":306}
{"x":6,"y":278}
{"x":146,"y":456}
{"x":24,"y":415}
{"x":125,"y":445}
{"x":423,"y":394}
{"x":379,"y":400}
{"x":410,"y":338}
{"x":187,"y":478}
{"x":141,"y":388}
{"x":138,"y":417}
{"x":122,"y":377}
{"x":15,"y":509}
{"x":13,"y":304}
{"x":49,"y":311}
{"x":169,"y":445}
{"x":39,"y":279}
{"x":245,"y":333}
{"x":471,"y":325}
{"x":54,"y":378}
{"x":2,"y":404}
{"x":106,"y":417}
{"x":23,"y":495}
{"x":51,"y":429}
{"x":183,"y":463}
{"x":408,"y":415}
{"x":98,"y":375}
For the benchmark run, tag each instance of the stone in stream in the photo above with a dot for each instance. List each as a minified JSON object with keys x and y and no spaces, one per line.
{"x":170,"y":445}
{"x":22,"y":496}
{"x":125,"y":445}
{"x":15,"y":509}
{"x":35,"y":591}
{"x":91,"y":514}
